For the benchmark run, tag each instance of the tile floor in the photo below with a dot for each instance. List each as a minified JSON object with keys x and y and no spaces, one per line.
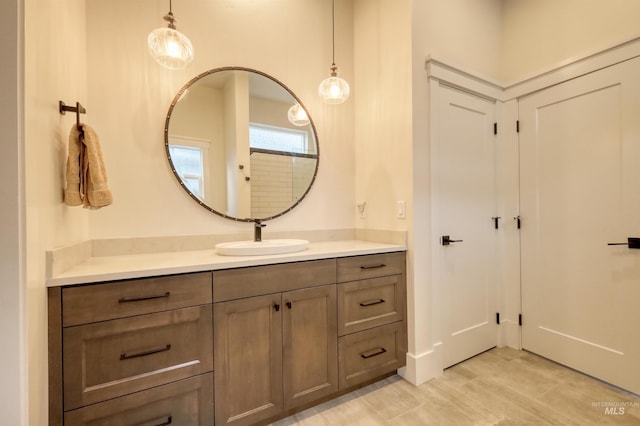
{"x":500,"y":387}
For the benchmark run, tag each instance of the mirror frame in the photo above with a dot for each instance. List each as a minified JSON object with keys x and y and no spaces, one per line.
{"x":177,"y":176}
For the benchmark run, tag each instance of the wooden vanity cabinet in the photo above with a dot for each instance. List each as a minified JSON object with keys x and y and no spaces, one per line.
{"x":132,"y":352}
{"x":274,"y":352}
{"x":371,"y":316}
{"x":279,"y":338}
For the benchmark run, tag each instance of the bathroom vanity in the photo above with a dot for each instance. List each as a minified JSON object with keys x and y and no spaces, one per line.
{"x":235,"y":341}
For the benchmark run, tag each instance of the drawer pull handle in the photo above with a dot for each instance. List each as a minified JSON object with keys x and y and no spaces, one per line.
{"x":378,"y":266}
{"x":145,"y":353}
{"x":373,"y":353}
{"x":167,"y":422}
{"x":371,"y":303}
{"x":140,"y":299}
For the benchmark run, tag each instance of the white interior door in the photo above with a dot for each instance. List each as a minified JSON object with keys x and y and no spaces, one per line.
{"x":580,"y":189}
{"x":463,"y":194}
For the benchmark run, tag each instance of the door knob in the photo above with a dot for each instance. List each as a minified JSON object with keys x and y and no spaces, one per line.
{"x":445,"y":240}
{"x":633,"y":243}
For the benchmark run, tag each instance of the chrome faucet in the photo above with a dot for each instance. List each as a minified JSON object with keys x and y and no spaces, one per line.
{"x":258,"y":225}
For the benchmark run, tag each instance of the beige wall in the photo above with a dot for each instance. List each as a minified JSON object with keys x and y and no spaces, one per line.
{"x":464,"y":33}
{"x":55,"y":69}
{"x":289,"y":39}
{"x":542,"y":34}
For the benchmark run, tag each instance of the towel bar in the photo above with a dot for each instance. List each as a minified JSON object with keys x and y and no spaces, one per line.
{"x":78,"y":109}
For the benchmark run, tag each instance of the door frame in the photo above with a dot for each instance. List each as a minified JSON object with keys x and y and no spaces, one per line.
{"x":440,"y":89}
{"x":425,"y":360}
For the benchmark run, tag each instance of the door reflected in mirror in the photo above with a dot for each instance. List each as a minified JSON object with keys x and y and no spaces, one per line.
{"x":232,"y":147}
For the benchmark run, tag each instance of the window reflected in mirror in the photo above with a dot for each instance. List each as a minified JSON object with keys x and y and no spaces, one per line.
{"x":233,"y":148}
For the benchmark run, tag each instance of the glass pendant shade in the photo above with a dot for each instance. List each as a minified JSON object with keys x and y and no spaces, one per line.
{"x":297,"y":115}
{"x":170,"y":48}
{"x":334,"y":90}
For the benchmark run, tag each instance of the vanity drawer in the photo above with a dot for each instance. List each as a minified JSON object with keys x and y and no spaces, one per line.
{"x":238,"y":283}
{"x":99,"y":302}
{"x":113,"y":358}
{"x":370,"y":354}
{"x":369,"y":303}
{"x":370,"y":266}
{"x":186,"y":402}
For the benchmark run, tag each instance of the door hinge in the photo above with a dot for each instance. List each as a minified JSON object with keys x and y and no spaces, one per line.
{"x":520,"y":319}
{"x":498,"y":318}
{"x":495,"y":128}
{"x":517,"y":126}
{"x":518,"y":221}
{"x":496,"y":223}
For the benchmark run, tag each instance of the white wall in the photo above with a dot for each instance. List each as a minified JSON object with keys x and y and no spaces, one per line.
{"x":55,"y":69}
{"x":129,"y":95}
{"x":13,"y":365}
{"x":543,"y":34}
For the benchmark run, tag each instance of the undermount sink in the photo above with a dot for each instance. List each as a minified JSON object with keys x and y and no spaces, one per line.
{"x":256,"y":248}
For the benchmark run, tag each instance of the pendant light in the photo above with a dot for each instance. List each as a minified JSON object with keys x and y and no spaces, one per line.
{"x":333,"y":90}
{"x":169,"y":47}
{"x":297,"y":115}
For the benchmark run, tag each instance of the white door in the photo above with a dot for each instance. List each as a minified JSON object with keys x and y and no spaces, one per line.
{"x":580,"y":190}
{"x":463,"y":205}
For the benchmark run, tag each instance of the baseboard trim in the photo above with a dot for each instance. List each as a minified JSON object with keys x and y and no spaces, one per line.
{"x":510,"y":334}
{"x":423,"y":367}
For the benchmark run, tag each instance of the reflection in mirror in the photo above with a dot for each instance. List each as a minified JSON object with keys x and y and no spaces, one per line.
{"x":233,"y":148}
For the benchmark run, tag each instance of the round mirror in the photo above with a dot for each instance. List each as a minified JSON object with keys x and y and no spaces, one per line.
{"x":241,"y":144}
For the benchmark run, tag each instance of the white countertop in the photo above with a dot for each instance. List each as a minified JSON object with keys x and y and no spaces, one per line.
{"x":108,"y":268}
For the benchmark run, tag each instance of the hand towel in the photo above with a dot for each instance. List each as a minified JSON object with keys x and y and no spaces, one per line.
{"x":86,"y":173}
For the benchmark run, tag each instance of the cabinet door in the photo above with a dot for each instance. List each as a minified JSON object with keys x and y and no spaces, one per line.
{"x":310,"y":345}
{"x":248,"y":359}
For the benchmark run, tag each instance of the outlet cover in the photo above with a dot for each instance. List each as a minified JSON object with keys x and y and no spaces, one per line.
{"x":401,"y":210}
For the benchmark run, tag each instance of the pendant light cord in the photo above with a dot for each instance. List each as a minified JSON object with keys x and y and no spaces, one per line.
{"x":333,"y":31}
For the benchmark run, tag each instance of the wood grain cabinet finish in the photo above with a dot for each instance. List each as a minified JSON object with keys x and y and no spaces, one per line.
{"x":310,"y":345}
{"x":126,"y":352}
{"x":248,"y":359}
{"x":369,"y":303}
{"x":274,"y":353}
{"x":371,"y":317}
{"x":186,"y":402}
{"x":99,"y":302}
{"x":279,"y":338}
{"x":371,"y":353}
{"x":370,"y":266}
{"x":113,"y":358}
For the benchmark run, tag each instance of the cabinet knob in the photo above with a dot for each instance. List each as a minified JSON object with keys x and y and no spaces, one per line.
{"x":276,"y":307}
{"x":288,"y":305}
